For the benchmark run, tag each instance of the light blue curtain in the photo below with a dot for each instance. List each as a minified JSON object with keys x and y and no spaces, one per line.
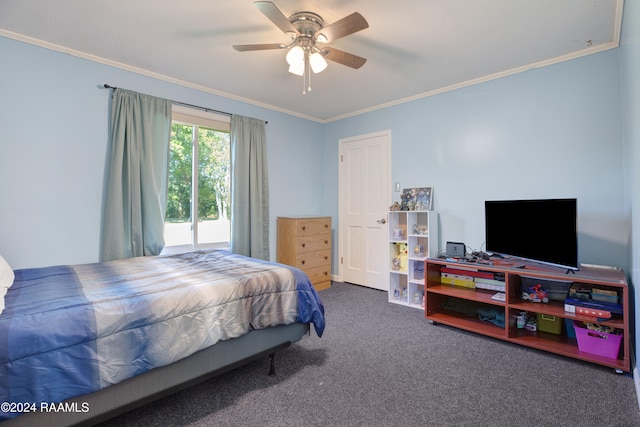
{"x":249,"y":188}
{"x":136,"y":177}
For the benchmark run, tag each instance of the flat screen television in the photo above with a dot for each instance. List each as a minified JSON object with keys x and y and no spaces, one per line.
{"x":543,"y":230}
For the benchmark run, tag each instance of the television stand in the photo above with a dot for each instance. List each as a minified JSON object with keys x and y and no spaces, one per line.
{"x":439,"y":295}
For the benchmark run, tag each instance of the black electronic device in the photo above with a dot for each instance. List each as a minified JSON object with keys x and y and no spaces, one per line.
{"x":542,"y":230}
{"x":456,"y":250}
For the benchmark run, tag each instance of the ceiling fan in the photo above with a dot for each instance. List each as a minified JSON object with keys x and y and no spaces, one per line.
{"x":306,"y":30}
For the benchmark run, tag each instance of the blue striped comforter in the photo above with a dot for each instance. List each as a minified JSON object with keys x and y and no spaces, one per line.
{"x":72,"y":330}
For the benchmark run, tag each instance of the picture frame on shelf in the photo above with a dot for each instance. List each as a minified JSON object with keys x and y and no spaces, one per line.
{"x":417,"y":199}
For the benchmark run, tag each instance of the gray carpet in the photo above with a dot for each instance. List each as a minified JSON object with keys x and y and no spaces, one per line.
{"x":380,"y":364}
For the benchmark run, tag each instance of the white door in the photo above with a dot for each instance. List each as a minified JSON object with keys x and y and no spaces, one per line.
{"x":365,"y":189}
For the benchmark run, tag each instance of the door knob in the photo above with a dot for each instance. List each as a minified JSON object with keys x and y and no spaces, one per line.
{"x":382,"y":221}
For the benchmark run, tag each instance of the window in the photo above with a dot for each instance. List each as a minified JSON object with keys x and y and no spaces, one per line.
{"x":199,"y":191}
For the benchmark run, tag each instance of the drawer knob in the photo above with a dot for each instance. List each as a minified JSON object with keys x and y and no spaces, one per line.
{"x":303,"y":261}
{"x":304,"y":227}
{"x":304,"y":244}
{"x":326,"y":242}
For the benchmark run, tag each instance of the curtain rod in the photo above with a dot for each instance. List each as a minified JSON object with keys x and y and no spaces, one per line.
{"x":184,"y":104}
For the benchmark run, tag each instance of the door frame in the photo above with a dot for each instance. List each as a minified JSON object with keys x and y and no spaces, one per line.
{"x":341,"y":144}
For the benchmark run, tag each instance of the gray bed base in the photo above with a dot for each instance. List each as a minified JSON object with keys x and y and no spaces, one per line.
{"x":157,"y":383}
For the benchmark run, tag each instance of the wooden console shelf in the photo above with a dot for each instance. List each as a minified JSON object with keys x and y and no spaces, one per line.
{"x":440,"y":296}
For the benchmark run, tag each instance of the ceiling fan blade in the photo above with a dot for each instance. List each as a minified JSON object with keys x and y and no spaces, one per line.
{"x":342,"y":57}
{"x":343,"y":27}
{"x":274,"y":14}
{"x":264,"y":46}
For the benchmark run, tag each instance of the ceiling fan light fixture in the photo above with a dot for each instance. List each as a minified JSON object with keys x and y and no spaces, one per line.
{"x":306,"y":28}
{"x":317,"y":62}
{"x":297,"y":68}
{"x":295,"y":56}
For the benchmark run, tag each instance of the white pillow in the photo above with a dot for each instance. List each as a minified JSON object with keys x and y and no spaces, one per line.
{"x":6,"y":280}
{"x":6,"y":274}
{"x":2,"y":292}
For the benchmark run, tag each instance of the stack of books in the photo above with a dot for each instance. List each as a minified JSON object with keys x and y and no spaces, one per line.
{"x":592,"y":301}
{"x":472,"y":279}
{"x":495,"y":284}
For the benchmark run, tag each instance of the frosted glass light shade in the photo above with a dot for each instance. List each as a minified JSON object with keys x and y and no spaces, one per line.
{"x":295,"y":55}
{"x":317,"y":62}
{"x":297,"y":68}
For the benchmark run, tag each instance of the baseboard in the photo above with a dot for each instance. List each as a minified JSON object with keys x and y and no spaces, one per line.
{"x":636,"y":381}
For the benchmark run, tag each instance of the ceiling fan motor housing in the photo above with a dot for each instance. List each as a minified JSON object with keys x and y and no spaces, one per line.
{"x":307,"y":24}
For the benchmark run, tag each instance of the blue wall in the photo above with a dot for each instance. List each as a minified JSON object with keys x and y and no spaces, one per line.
{"x":630,"y":91}
{"x":552,"y":132}
{"x":54,"y":120}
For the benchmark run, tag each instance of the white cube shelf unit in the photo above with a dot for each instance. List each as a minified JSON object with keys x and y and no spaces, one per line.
{"x":418,"y":232}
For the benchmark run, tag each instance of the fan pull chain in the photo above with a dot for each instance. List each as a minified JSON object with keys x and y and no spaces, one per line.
{"x":309,"y":73}
{"x":305,"y":74}
{"x":304,"y":91}
{"x":306,"y":61}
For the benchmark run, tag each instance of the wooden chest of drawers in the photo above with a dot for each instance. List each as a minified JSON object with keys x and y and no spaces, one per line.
{"x":305,"y":242}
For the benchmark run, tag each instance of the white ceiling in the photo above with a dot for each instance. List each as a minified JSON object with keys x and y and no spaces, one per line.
{"x":414,"y":48}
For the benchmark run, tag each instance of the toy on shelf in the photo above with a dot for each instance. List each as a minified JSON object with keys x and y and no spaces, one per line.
{"x":401,"y":261}
{"x":420,"y":229}
{"x":535,"y":294}
{"x":600,"y":328}
{"x":395,"y":264}
{"x":526,"y":320}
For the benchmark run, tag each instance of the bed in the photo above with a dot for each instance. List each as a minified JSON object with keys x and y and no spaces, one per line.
{"x":104,"y":338}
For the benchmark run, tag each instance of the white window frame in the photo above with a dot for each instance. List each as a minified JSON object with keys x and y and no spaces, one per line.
{"x":197,"y":118}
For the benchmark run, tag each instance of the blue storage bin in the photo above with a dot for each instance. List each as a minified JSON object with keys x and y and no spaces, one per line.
{"x":571,"y":331}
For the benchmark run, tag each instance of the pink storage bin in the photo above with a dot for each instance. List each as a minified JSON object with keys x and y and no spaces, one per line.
{"x":598,"y":343}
